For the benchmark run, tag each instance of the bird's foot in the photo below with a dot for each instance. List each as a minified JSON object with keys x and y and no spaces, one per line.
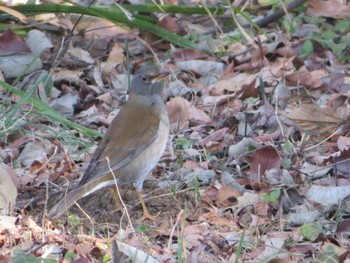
{"x":147,"y":215}
{"x":118,"y":208}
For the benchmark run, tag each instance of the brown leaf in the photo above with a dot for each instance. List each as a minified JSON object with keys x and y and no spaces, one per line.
{"x":181,"y":112}
{"x":170,"y":23}
{"x":314,"y":119}
{"x":215,"y":219}
{"x":178,"y":110}
{"x":343,"y":143}
{"x":331,"y":8}
{"x":8,"y":190}
{"x":187,"y":54}
{"x":227,"y":196}
{"x":312,"y":79}
{"x":209,"y":195}
{"x":11,"y":43}
{"x":343,"y":228}
{"x":198,"y":116}
{"x":214,"y":137}
{"x":262,"y":160}
{"x":115,"y":58}
{"x":340,"y":160}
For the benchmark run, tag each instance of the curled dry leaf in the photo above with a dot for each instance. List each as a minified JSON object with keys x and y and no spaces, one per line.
{"x":92,"y":29}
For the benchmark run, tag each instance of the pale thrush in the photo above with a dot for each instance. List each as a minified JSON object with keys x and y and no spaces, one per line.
{"x":134,"y":142}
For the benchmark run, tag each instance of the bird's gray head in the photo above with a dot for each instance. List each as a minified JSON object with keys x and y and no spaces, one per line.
{"x":149,"y":80}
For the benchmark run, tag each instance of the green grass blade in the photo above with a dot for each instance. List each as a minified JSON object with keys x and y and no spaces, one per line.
{"x":113,"y":14}
{"x":47,"y":111}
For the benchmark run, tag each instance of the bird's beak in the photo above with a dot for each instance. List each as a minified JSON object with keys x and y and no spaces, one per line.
{"x":162,"y":74}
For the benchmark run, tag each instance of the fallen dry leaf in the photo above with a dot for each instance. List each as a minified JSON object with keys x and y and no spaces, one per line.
{"x":10,"y":44}
{"x":313,"y":79}
{"x":331,"y":8}
{"x":320,"y":122}
{"x":8,"y":190}
{"x":262,"y":160}
{"x":178,"y":110}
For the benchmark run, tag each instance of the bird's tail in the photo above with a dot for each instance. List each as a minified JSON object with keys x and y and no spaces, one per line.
{"x":66,"y":202}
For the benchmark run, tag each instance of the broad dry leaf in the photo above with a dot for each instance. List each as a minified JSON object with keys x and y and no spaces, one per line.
{"x":115,"y":58}
{"x":274,"y":242}
{"x":181,"y":112}
{"x":110,"y":30}
{"x":215,"y":219}
{"x":318,"y":121}
{"x":10,"y":43}
{"x":333,"y":8}
{"x":343,"y":143}
{"x":178,"y":110}
{"x":8,"y":223}
{"x":262,"y":160}
{"x":35,"y":151}
{"x":328,"y":195}
{"x":313,"y":79}
{"x":38,"y":42}
{"x":188,"y":54}
{"x":137,"y":255}
{"x":237,"y":83}
{"x":203,"y":67}
{"x":214,"y":137}
{"x":198,"y":117}
{"x":8,"y":190}
{"x":227,"y":196}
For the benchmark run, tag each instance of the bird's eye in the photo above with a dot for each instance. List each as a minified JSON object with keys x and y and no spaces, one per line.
{"x":144,"y":78}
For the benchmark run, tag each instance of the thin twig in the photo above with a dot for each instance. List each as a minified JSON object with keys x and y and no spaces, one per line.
{"x":120,"y":198}
{"x":174,"y":227}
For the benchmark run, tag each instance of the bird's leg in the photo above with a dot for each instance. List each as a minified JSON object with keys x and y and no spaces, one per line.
{"x":146,"y":214}
{"x":118,"y":204}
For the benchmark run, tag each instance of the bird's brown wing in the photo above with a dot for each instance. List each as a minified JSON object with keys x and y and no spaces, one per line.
{"x":131,"y":132}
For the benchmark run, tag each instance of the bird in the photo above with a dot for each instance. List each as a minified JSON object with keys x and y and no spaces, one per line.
{"x":132,"y":145}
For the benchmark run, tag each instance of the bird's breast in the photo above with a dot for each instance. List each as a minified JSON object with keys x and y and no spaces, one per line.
{"x":140,"y":167}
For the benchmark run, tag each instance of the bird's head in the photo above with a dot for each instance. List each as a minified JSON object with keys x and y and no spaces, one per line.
{"x":149,"y":80}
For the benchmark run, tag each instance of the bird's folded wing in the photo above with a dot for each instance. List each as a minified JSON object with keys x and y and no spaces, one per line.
{"x":130,"y":133}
